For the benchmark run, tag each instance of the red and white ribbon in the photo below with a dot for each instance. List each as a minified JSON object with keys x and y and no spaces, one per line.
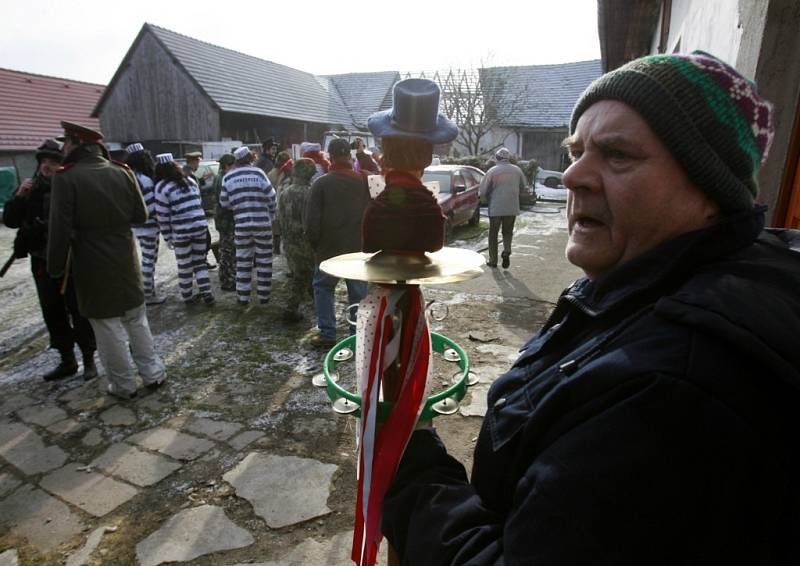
{"x":384,"y":336}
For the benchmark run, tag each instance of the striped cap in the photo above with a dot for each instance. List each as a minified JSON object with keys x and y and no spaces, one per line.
{"x":164,"y":158}
{"x":134,"y":147}
{"x":242,"y":153}
{"x":708,"y":115}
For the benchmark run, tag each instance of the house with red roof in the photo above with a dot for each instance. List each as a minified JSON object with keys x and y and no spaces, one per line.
{"x":31,"y":109}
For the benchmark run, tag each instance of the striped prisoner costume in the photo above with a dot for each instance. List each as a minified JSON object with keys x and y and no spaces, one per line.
{"x":183,"y":224}
{"x":249,"y":194}
{"x":147,"y":234}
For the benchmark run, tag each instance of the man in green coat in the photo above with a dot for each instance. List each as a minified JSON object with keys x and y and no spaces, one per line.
{"x":94,"y":202}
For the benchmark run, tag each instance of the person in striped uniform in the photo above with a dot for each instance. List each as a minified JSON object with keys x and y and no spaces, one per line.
{"x":141,"y":162}
{"x":183,"y":225}
{"x":249,"y":194}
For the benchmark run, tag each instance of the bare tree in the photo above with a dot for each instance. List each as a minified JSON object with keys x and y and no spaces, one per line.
{"x":478,"y":100}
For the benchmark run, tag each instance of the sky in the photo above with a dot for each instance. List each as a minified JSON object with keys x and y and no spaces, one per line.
{"x":87,"y":39}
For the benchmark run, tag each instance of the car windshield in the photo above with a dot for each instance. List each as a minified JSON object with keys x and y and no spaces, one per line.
{"x":442,"y":176}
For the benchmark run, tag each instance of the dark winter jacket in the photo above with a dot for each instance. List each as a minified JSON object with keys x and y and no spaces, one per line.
{"x":30,"y":215}
{"x":335,"y":209}
{"x":654,"y":420}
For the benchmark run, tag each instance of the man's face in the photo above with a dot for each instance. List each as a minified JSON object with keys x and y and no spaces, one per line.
{"x":627,"y":194}
{"x":48,"y":166}
{"x":273,"y":151}
{"x":193,"y":162}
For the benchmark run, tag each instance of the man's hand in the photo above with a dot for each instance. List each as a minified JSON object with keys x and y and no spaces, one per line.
{"x":25,"y":188}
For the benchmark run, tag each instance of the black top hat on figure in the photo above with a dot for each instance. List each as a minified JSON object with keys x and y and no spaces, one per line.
{"x":404,"y":225}
{"x":414,"y":114}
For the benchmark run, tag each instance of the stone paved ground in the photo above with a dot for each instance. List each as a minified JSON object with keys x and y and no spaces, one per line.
{"x":237,"y":459}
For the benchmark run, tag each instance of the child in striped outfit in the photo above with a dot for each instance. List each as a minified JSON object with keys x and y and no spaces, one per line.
{"x":249,"y":194}
{"x":183,"y":224}
{"x":141,"y":162}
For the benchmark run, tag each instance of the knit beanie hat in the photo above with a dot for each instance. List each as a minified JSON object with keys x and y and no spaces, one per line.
{"x":708,"y":115}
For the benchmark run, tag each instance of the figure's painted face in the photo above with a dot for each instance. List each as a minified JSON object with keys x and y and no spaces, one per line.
{"x":627,"y":193}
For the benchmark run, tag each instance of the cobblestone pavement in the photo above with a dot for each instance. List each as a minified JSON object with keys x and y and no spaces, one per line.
{"x":238,"y":458}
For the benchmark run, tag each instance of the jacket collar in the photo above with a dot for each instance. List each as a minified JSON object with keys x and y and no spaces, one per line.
{"x":668,"y":262}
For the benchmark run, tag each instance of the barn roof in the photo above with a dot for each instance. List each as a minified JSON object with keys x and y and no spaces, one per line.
{"x":365,"y":93}
{"x":256,"y":86}
{"x":542,"y":96}
{"x":32,"y":107}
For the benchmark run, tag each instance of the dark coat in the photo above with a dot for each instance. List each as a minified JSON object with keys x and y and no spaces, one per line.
{"x":653,"y":420}
{"x":30,"y":215}
{"x":335,"y":209}
{"x":94,"y":203}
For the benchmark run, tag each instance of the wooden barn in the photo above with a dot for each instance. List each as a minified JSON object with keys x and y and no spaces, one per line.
{"x":172,"y":91}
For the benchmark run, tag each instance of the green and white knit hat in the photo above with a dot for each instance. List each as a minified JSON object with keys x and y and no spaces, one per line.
{"x":708,"y":115}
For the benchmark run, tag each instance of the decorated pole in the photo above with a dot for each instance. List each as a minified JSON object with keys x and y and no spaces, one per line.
{"x":402,"y":249}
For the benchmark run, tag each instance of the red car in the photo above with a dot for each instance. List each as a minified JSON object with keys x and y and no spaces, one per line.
{"x":458,"y":193}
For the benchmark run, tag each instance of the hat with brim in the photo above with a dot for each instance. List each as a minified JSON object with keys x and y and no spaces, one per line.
{"x":86,"y":135}
{"x":414,"y":114}
{"x":192,"y":154}
{"x":50,"y":150}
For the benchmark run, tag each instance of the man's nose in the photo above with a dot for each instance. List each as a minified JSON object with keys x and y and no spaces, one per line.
{"x":581,"y":174}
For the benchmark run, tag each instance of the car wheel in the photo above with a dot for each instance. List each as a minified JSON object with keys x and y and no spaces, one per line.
{"x":476,"y":217}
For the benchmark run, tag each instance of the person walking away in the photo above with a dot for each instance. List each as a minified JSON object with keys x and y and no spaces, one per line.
{"x":141,"y":163}
{"x":93,"y":205}
{"x":247,"y":192}
{"x":292,"y":205}
{"x":279,"y":177}
{"x":183,"y":225}
{"x":29,"y":211}
{"x":333,"y":227}
{"x":223,"y":221}
{"x":500,"y":188}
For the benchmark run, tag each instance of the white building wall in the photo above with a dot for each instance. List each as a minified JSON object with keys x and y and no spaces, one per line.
{"x":708,"y":25}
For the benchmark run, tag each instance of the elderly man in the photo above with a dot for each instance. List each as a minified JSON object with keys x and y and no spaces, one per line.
{"x":94,"y":203}
{"x":500,"y":189}
{"x":653,"y":419}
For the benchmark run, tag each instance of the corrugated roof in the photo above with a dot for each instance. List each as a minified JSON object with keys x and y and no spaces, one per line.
{"x":365,"y":93}
{"x":255,"y":86}
{"x":32,"y":107}
{"x":543,"y":95}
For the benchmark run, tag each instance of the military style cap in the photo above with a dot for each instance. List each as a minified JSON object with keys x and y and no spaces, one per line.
{"x":193,"y":154}
{"x":86,"y":135}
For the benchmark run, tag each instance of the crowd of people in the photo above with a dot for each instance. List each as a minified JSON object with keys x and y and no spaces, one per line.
{"x":254,"y":199}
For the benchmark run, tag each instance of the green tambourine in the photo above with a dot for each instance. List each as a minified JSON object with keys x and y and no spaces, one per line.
{"x":442,"y":403}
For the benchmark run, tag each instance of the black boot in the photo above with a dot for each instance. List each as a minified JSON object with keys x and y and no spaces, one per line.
{"x":67,"y":367}
{"x":89,"y":367}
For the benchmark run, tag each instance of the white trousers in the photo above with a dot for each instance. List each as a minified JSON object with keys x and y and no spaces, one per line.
{"x":113,"y":336}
